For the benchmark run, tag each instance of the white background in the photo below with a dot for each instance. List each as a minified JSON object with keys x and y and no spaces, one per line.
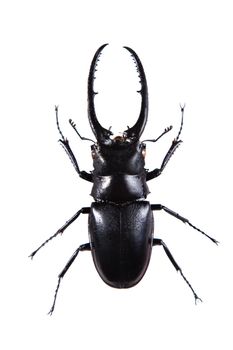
{"x":46,"y":49}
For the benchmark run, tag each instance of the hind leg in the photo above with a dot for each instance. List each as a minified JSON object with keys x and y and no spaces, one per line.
{"x":81,"y":248}
{"x":157,"y":241}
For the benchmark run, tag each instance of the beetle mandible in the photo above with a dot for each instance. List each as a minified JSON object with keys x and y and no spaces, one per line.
{"x":120,"y":220}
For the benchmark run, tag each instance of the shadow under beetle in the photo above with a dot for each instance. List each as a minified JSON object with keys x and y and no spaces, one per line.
{"x":120,"y":220}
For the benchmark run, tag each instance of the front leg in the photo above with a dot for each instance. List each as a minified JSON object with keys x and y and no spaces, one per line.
{"x":158,"y":171}
{"x":83,"y":174}
{"x":65,"y":144}
{"x":175,"y":144}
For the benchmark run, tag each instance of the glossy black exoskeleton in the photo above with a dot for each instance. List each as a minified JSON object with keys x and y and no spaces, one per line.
{"x":120,"y":220}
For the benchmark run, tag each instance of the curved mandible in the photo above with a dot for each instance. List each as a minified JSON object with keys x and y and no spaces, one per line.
{"x":135,"y":131}
{"x":102,"y":135}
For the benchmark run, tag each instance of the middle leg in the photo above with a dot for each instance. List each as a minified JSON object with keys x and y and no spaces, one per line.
{"x":84,"y":210}
{"x":181,"y":218}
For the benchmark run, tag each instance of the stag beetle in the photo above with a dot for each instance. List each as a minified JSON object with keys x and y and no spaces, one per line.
{"x":120,"y":220}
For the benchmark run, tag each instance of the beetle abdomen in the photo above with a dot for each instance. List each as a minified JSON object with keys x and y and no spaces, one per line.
{"x":121,"y":241}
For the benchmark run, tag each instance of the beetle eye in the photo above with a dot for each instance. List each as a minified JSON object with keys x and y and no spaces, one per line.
{"x":93,"y":151}
{"x":144,"y":152}
{"x":143,"y":149}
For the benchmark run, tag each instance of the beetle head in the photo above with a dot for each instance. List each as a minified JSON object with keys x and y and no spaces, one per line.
{"x":122,"y":157}
{"x":131,"y":135}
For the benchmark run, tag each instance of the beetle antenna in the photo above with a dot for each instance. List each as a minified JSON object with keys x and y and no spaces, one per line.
{"x":163,"y":133}
{"x":58,"y":126}
{"x":81,"y":137}
{"x":170,"y":127}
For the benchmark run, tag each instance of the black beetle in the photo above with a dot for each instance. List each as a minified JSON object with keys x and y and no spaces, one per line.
{"x":120,"y":220}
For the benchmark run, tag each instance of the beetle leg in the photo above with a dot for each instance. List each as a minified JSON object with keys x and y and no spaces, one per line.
{"x":157,"y":241}
{"x":81,"y":248}
{"x":65,"y":144}
{"x":83,"y":174}
{"x":179,"y":217}
{"x":84,"y":210}
{"x":158,"y":171}
{"x":175,"y":144}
